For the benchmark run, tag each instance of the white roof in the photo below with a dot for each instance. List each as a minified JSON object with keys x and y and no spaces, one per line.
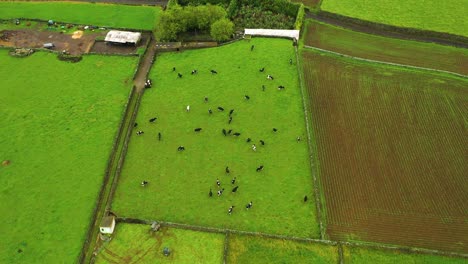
{"x":273,"y":32}
{"x":123,"y":36}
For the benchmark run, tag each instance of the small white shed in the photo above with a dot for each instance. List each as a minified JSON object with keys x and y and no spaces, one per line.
{"x":107,"y":224}
{"x":123,"y":37}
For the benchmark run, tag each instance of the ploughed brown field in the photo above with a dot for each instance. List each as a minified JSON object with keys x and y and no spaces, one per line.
{"x":392,"y":152}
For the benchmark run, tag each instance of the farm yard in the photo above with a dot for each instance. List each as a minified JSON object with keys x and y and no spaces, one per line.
{"x":442,"y":16}
{"x":179,"y":182}
{"x":387,"y":138}
{"x":58,"y":123}
{"x":255,"y":150}
{"x":386,"y":49}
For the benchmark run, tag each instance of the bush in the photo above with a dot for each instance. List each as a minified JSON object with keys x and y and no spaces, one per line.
{"x":256,"y":17}
{"x":299,"y":18}
{"x":222,"y":29}
{"x":233,"y":8}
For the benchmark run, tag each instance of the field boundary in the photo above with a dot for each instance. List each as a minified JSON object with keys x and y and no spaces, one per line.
{"x":340,"y":254}
{"x":370,"y":245}
{"x":390,"y":30}
{"x":387,"y":63}
{"x":226,"y":247}
{"x":317,"y":194}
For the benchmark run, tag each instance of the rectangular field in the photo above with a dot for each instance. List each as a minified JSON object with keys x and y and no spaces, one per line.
{"x":134,"y":243}
{"x":393,"y":50}
{"x":443,"y":16}
{"x":57,"y":128}
{"x":250,"y":249}
{"x":180,"y":181}
{"x":106,"y":15}
{"x":392,"y":152}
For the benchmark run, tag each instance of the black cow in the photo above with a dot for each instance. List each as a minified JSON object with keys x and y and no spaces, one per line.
{"x":214,"y":72}
{"x":159,"y":136}
{"x":220,"y":108}
{"x":135,"y":125}
{"x":230,"y":120}
{"x":262,"y":142}
{"x":247,"y":97}
{"x":260,"y":168}
{"x":235,"y":189}
{"x":194,"y":72}
{"x":233,"y":180}
{"x":144,"y":183}
{"x":229,"y":132}
{"x":209,"y":111}
{"x":153,"y":119}
{"x":237,"y":134}
{"x":197,"y":129}
{"x":275,"y":130}
{"x":305,"y":198}
{"x":206,"y":99}
{"x":281,"y":87}
{"x":248,"y":140}
{"x":181,"y":148}
{"x":290,"y":61}
{"x":224,"y":132}
{"x":210,"y":194}
{"x":179,"y":75}
{"x":173,"y":69}
{"x":230,"y":112}
{"x":263,"y":88}
{"x":252,"y":47}
{"x":262,"y":69}
{"x":227,"y":169}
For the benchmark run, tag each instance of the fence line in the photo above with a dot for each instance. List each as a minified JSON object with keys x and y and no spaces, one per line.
{"x":226,"y":247}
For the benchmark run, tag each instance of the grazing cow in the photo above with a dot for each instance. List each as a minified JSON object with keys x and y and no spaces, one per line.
{"x":227,"y":170}
{"x":179,"y":75}
{"x":135,"y":125}
{"x":249,"y":205}
{"x":209,"y":111}
{"x":229,"y":132}
{"x":194,"y":72}
{"x":263,"y":88}
{"x":305,"y":198}
{"x":275,"y":130}
{"x":139,"y":132}
{"x":248,"y":140}
{"x":187,"y":108}
{"x":210,"y":194}
{"x":148,"y":83}
{"x":197,"y":129}
{"x":218,"y":182}
{"x":262,"y":69}
{"x":214,"y":72}
{"x":230,"y":209}
{"x":220,"y":192}
{"x":290,"y":61}
{"x":220,"y":108}
{"x":298,"y":139}
{"x":206,"y":99}
{"x":230,"y":112}
{"x":237,"y":134}
{"x":260,"y":168}
{"x":252,"y":47}
{"x":254,"y":148}
{"x":247,"y":97}
{"x":224,"y":132}
{"x":269,"y":77}
{"x":181,"y":148}
{"x":235,"y":189}
{"x":230,"y":120}
{"x":262,"y":142}
{"x":159,"y":136}
{"x":173,"y":69}
{"x":144,"y":183}
{"x":233,"y":180}
{"x":281,"y":87}
{"x":153,"y":119}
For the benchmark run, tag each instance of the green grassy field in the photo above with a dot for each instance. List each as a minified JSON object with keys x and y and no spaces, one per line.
{"x":137,"y":244}
{"x":57,"y":128}
{"x":367,"y":255}
{"x":107,"y":15}
{"x":249,"y":249}
{"x":374,"y":47}
{"x":180,"y":181}
{"x":443,"y":16}
{"x":392,"y":151}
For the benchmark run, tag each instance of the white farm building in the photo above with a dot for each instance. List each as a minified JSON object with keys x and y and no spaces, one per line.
{"x":123,"y":37}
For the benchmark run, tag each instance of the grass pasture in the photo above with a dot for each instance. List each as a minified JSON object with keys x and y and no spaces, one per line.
{"x":250,"y":249}
{"x":57,"y":128}
{"x":179,"y":182}
{"x":137,"y":244}
{"x":106,"y":15}
{"x":385,"y":49}
{"x":444,"y":16}
{"x":392,"y":152}
{"x":361,"y":255}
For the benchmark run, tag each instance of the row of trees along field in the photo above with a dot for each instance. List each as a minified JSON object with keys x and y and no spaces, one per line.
{"x":221,"y":17}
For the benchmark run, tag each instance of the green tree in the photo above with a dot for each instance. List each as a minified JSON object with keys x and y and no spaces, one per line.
{"x":222,"y":29}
